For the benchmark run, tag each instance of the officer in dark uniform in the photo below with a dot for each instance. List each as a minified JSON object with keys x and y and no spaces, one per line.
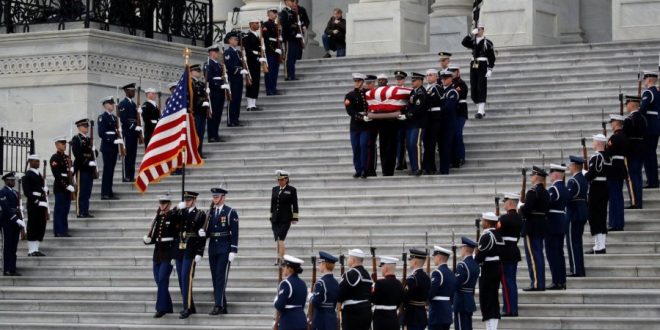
{"x":222,"y":232}
{"x":416,"y":117}
{"x":324,"y":299}
{"x":509,"y":226}
{"x":354,"y":293}
{"x":36,"y":192}
{"x":128,"y":115}
{"x":616,"y":171}
{"x":386,"y":297}
{"x":557,"y":224}
{"x":433,"y":132}
{"x":11,"y":220}
{"x":356,"y":108}
{"x":488,"y":256}
{"x":200,"y":106}
{"x":192,"y":241}
{"x":291,"y":296}
{"x":150,"y":114}
{"x":215,"y":89}
{"x":443,"y":287}
{"x":235,"y":74}
{"x":416,"y":292}
{"x":467,"y":274}
{"x":61,"y":167}
{"x":283,"y":210}
{"x":271,"y":34}
{"x":448,"y":112}
{"x":293,"y":38}
{"x":84,"y":165}
{"x":576,"y":213}
{"x":650,"y":108}
{"x":598,"y":194}
{"x":534,"y":209}
{"x":458,"y":149}
{"x":252,"y":45}
{"x":107,"y":128}
{"x":634,"y":127}
{"x":481,"y":67}
{"x":164,"y":229}
{"x":445,"y":60}
{"x":400,"y":78}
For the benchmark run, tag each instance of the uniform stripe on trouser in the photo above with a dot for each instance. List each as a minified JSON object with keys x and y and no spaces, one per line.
{"x":419,"y":148}
{"x":224,"y":290}
{"x":505,"y":290}
{"x":190,"y":279}
{"x":631,"y":189}
{"x":569,"y":243}
{"x":531,"y":258}
{"x":78,"y":193}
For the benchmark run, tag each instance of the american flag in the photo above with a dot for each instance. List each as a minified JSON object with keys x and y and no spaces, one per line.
{"x":387,"y":98}
{"x":174,"y":133}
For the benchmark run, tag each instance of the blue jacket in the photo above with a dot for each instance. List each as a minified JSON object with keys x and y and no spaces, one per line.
{"x":651,"y":103}
{"x":324,"y":302}
{"x":557,"y":220}
{"x":233,"y":63}
{"x":290,"y":302}
{"x":8,"y":206}
{"x":128,"y":115}
{"x":213,"y":74}
{"x":443,"y":287}
{"x":222,"y":231}
{"x":107,"y":128}
{"x":449,"y":105}
{"x":467,"y":274}
{"x":577,"y":186}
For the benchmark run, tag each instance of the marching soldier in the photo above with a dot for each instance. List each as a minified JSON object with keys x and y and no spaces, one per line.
{"x":107,"y":124}
{"x":36,"y":192}
{"x":634,"y":127}
{"x":324,"y":299}
{"x":252,"y":45}
{"x":200,"y":106}
{"x":443,"y":286}
{"x":483,"y":61}
{"x":458,"y":152}
{"x":598,"y":194}
{"x":416,"y":292}
{"x":576,"y":213}
{"x":235,"y":74}
{"x":60,"y":166}
{"x":192,"y":241}
{"x":11,"y":219}
{"x":128,"y":116}
{"x":164,"y":229}
{"x":467,"y":274}
{"x":216,"y":92}
{"x":616,"y":170}
{"x":291,"y":296}
{"x":84,"y":163}
{"x":509,"y":227}
{"x":283,"y":210}
{"x":416,"y":117}
{"x":293,"y":38}
{"x":354,"y":293}
{"x":356,"y":108}
{"x":445,"y":59}
{"x":650,"y":108}
{"x":222,"y":232}
{"x":556,"y":227}
{"x":488,"y":256}
{"x":270,"y":32}
{"x":150,"y":114}
{"x":433,"y":132}
{"x":537,"y":201}
{"x":400,"y":77}
{"x":387,"y":296}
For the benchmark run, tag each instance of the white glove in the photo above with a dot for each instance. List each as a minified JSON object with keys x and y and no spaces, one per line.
{"x":201,"y":233}
{"x":280,"y":38}
{"x":198,"y":258}
{"x":70,"y":188}
{"x":225,"y":86}
{"x":279,"y":51}
{"x":46,"y":189}
{"x":94,"y":148}
{"x":21,"y":208}
{"x":475,"y":31}
{"x":310,"y":296}
{"x":584,"y":172}
{"x":20,"y":223}
{"x":244,"y":72}
{"x":232,"y":255}
{"x":173,"y":262}
{"x":299,"y":36}
{"x":140,"y":110}
{"x":205,"y":104}
{"x":366,"y":119}
{"x":92,"y":164}
{"x":401,"y":117}
{"x":119,"y":141}
{"x":43,"y":204}
{"x":146,"y":239}
{"x":489,"y":73}
{"x":138,"y":128}
{"x":263,"y":60}
{"x":182,"y":205}
{"x":335,"y":31}
{"x":520,"y":204}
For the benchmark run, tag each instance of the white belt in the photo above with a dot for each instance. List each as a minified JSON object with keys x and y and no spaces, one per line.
{"x":165,"y":239}
{"x":64,"y":175}
{"x":618,"y":157}
{"x":217,"y":78}
{"x":481,"y":59}
{"x":272,"y":39}
{"x":462,"y":101}
{"x":492,"y":258}
{"x":557,"y":211}
{"x":442,"y":298}
{"x":600,"y":179}
{"x":509,"y":238}
{"x":385,"y":307}
{"x":292,"y":306}
{"x":110,"y":133}
{"x":435,"y":109}
{"x":353,"y":302}
{"x":652,"y":113}
{"x":154,"y":121}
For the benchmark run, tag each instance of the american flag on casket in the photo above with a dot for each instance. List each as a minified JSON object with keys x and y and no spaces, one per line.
{"x":387,"y":101}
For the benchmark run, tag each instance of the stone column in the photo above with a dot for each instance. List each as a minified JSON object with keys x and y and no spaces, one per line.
{"x":450,"y":21}
{"x":570,"y":29}
{"x":521,"y":22}
{"x":635,"y":19}
{"x":387,"y":26}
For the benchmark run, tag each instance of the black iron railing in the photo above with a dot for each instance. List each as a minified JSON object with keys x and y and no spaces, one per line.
{"x":15,"y":147}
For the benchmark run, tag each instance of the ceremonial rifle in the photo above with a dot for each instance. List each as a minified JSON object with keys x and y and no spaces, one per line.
{"x":138,"y":116}
{"x":69,"y":173}
{"x":621,"y":98}
{"x":374,"y":270}
{"x":453,"y":249}
{"x":341,"y":270}
{"x":264,"y":65}
{"x":45,"y":193}
{"x":603,"y":123}
{"x":248,"y":77}
{"x":19,"y":211}
{"x":404,"y":256}
{"x":497,"y":206}
{"x":278,"y":43}
{"x":477,"y":224}
{"x":584,"y":149}
{"x":208,"y":88}
{"x":91,"y":142}
{"x":160,"y":94}
{"x":224,"y":76}
{"x":276,"y":325}
{"x":310,"y":308}
{"x":428,"y":257}
{"x":118,"y":131}
{"x":300,"y":29}
{"x":639,"y":81}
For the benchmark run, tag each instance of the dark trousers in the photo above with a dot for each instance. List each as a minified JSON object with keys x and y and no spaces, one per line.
{"x":445,"y":142}
{"x":615,"y":193}
{"x":439,"y":134}
{"x":217,"y":106}
{"x":635,"y":181}
{"x":401,"y":147}
{"x":36,"y":224}
{"x":458,"y":150}
{"x":270,"y":78}
{"x":509,"y":288}
{"x":356,"y":318}
{"x":414,"y":137}
{"x":597,"y":207}
{"x":131,"y":154}
{"x":651,"y":159}
{"x":360,"y":146}
{"x":463,"y":321}
{"x":489,"y":286}
{"x":236,"y":86}
{"x":372,"y":161}
{"x":577,"y":217}
{"x":186,"y":270}
{"x":219,"y":274}
{"x":431,"y":140}
{"x":200,"y":127}
{"x":252,"y":91}
{"x":85,"y":182}
{"x":387,"y":133}
{"x":10,"y":238}
{"x":478,"y":81}
{"x":341,"y":51}
{"x":293,"y":52}
{"x":554,"y":252}
{"x":162,"y":272}
{"x":535,"y":261}
{"x":61,"y":213}
{"x":109,"y":162}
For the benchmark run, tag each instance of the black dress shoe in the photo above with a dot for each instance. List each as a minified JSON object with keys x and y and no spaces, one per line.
{"x":575,"y":275}
{"x":127,"y":180}
{"x":632,"y":207}
{"x":478,"y":116}
{"x":509,"y":314}
{"x":556,"y":287}
{"x":91,"y":216}
{"x":12,"y":274}
{"x":648,"y":186}
{"x":216,"y":310}
{"x":592,"y":251}
{"x":356,"y":175}
{"x":32,"y":254}
{"x":418,"y":173}
{"x":112,"y":198}
{"x":531,"y":289}
{"x":159,"y":315}
{"x":39,"y":254}
{"x":184,"y":314}
{"x":364,"y":175}
{"x":614,"y":229}
{"x":203,"y":156}
{"x":239,"y":124}
{"x":257,"y":109}
{"x":224,"y":311}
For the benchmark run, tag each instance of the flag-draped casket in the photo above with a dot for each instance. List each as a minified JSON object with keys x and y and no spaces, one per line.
{"x":387,"y":101}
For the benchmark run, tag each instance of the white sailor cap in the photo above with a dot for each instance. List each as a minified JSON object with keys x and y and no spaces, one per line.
{"x":59,"y":139}
{"x":359,"y":76}
{"x":599,"y":138}
{"x":172,"y":85}
{"x":453,"y":67}
{"x":490,"y":216}
{"x":281,"y":174}
{"x":440,"y":250}
{"x":653,"y":74}
{"x":358,"y":253}
{"x":431,"y":71}
{"x":164,"y":198}
{"x":387,"y":261}
{"x":291,"y":260}
{"x":108,"y":99}
{"x":511,"y":195}
{"x":150,"y":90}
{"x":480,"y":25}
{"x":614,"y":117}
{"x":33,"y":157}
{"x":254,"y":20}
{"x":446,"y":73}
{"x":557,"y":168}
{"x":381,"y":76}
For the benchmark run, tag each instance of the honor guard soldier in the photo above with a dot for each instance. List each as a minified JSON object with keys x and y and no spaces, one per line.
{"x":617,"y":173}
{"x":84,"y":165}
{"x":481,"y":67}
{"x":283,"y":210}
{"x":130,"y":130}
{"x":416,"y":292}
{"x":60,"y":166}
{"x":164,"y":229}
{"x":488,"y":256}
{"x":598,"y":194}
{"x":387,"y":136}
{"x":576,"y":213}
{"x":356,"y":108}
{"x":324,"y":299}
{"x":387,"y":296}
{"x":171,"y":87}
{"x":272,"y":40}
{"x":291,"y":296}
{"x":634,"y":127}
{"x":192,"y":241}
{"x":107,"y":128}
{"x":537,"y":202}
{"x":448,"y":112}
{"x":650,"y":108}
{"x":293,"y":38}
{"x":222,"y":232}
{"x":215,"y":89}
{"x":381,"y":80}
{"x":556,"y":227}
{"x":433,"y":132}
{"x":36,"y":192}
{"x":372,"y":161}
{"x":252,"y":45}
{"x":11,"y":220}
{"x":354,"y":293}
{"x":467,"y":274}
{"x":443,"y":286}
{"x":445,"y":59}
{"x":150,"y":114}
{"x":416,"y":118}
{"x":200,"y":106}
{"x":235,"y":74}
{"x":509,"y":226}
{"x":400,"y":78}
{"x":458,"y":148}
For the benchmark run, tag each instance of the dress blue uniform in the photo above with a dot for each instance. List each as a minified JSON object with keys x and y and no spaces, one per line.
{"x":84,"y":165}
{"x":509,"y":226}
{"x":107,"y":128}
{"x":60,"y":166}
{"x":270,"y":32}
{"x":9,"y":214}
{"x":467,"y":275}
{"x":291,"y":298}
{"x":324,"y":299}
{"x":449,"y":106}
{"x":128,"y":116}
{"x":556,"y":230}
{"x":634,"y":127}
{"x":223,"y":239}
{"x":617,"y":173}
{"x":576,"y":213}
{"x":213,"y":71}
{"x":650,"y":108}
{"x":434,"y":131}
{"x":534,"y":211}
{"x":288,"y":19}
{"x":416,"y":117}
{"x":234,"y":67}
{"x":356,"y":108}
{"x":461,"y":117}
{"x":416,"y":294}
{"x":443,"y":286}
{"x":488,"y":256}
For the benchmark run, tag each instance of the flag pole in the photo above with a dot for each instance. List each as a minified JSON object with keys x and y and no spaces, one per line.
{"x":186,"y":56}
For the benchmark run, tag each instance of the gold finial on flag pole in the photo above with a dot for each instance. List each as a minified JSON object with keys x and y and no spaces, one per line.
{"x":186,"y":54}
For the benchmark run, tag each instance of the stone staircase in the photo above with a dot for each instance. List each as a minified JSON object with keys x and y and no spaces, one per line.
{"x":541,"y":101}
